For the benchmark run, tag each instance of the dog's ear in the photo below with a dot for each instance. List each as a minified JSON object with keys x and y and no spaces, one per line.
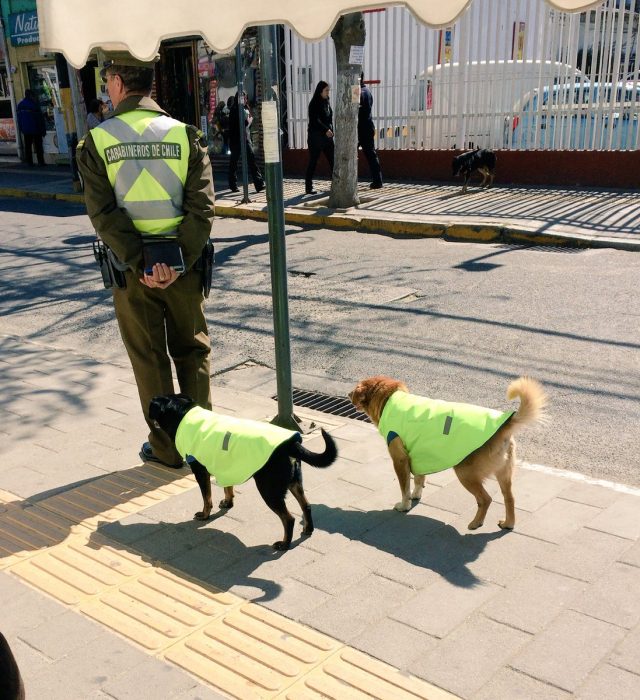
{"x":156,"y":407}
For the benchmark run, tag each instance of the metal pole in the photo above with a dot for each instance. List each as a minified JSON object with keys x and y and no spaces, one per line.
{"x":241,"y":119}
{"x":277,"y":246}
{"x":12,"y":97}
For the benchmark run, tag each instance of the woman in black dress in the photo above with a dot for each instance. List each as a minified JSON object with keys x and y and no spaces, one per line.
{"x":320,"y":134}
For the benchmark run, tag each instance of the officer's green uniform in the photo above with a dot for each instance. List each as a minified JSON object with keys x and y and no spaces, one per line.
{"x":175,"y":197}
{"x":437,"y":434}
{"x":231,"y":449}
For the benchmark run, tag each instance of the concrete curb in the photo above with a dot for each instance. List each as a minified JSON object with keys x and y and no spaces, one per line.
{"x":353,"y":221}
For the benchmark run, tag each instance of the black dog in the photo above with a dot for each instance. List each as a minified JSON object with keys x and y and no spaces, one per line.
{"x":281,"y":472}
{"x":482,"y":159}
{"x":11,"y":685}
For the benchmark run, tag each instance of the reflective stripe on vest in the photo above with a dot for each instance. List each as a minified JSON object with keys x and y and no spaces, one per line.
{"x":146,"y":155}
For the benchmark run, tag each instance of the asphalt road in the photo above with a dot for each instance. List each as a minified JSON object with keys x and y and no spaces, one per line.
{"x":455,"y":321}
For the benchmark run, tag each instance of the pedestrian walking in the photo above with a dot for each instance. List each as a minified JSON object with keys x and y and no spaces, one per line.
{"x":32,"y":127}
{"x":319,"y":133}
{"x":149,"y":194}
{"x":366,"y":132}
{"x":236,"y":146}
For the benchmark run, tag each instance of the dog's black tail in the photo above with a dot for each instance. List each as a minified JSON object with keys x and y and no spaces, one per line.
{"x":316,"y":459}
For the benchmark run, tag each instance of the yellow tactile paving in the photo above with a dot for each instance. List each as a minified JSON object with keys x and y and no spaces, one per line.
{"x":25,"y":529}
{"x":239,"y":648}
{"x":80,"y":568}
{"x":116,"y":496}
{"x":159,"y":608}
{"x":252,"y":652}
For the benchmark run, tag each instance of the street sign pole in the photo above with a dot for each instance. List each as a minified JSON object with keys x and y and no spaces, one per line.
{"x":277,"y":245}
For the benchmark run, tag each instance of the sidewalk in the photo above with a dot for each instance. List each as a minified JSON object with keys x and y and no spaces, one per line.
{"x":516,"y":214}
{"x":111,"y":590}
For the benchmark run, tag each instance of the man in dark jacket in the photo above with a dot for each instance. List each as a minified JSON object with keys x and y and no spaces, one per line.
{"x":32,"y":126}
{"x":235,"y":145}
{"x":366,"y":131}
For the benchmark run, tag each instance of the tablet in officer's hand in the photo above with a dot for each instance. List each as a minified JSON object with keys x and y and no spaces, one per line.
{"x":167,"y":252}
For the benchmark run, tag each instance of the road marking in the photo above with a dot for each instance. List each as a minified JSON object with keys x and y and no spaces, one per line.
{"x":582,"y":478}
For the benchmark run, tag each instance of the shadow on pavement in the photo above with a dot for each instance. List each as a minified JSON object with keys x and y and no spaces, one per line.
{"x":416,"y":539}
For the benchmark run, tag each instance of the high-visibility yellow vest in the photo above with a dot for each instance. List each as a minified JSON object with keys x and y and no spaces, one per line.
{"x":438,"y":434}
{"x":146,"y":155}
{"x":231,"y":449}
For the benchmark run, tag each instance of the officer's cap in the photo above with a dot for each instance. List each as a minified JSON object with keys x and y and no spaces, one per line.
{"x":124,"y":59}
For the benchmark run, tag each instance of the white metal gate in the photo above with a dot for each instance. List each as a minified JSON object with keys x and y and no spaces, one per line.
{"x":512,"y":74}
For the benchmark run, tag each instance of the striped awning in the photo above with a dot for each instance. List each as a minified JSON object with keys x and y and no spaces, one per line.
{"x":76,"y":27}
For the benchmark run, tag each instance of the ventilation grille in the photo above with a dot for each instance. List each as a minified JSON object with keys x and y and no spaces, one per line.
{"x":335,"y":405}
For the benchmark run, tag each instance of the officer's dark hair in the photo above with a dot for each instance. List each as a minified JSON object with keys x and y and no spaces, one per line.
{"x":134,"y":79}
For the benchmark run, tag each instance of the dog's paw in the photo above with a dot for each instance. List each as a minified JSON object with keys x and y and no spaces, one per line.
{"x":503,"y":525}
{"x":307,"y":531}
{"x":201,"y":515}
{"x":416,"y":494}
{"x":403,"y":506}
{"x":225,"y":503}
{"x":280,"y":546}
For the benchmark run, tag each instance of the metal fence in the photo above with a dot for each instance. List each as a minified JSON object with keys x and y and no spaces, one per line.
{"x":509,"y":74}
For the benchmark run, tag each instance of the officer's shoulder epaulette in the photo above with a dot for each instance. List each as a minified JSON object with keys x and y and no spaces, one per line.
{"x":199,"y":134}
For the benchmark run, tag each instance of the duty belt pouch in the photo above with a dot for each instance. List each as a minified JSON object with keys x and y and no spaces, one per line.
{"x":205,"y":265}
{"x":163,"y":250}
{"x":111,"y":269}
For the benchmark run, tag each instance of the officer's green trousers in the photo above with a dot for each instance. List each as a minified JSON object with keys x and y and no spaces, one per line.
{"x":159,"y":324}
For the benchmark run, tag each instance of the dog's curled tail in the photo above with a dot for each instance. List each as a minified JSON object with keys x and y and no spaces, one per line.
{"x":317,"y":459}
{"x":532,"y":400}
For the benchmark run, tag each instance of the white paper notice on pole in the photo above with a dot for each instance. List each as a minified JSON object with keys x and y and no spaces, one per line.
{"x":356,"y":55}
{"x":270,"y":132}
{"x":355,"y":94}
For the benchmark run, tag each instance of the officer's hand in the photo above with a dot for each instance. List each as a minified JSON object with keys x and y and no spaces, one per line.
{"x":329,"y":134}
{"x":162,"y":276}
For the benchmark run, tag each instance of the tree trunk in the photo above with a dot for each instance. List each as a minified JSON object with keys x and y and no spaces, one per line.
{"x":349,"y":31}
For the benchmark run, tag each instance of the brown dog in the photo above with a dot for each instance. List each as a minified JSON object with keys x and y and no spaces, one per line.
{"x":425,"y":436}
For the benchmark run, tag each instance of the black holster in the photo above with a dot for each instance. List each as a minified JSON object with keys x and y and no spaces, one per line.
{"x":111,"y":269}
{"x":205,"y":265}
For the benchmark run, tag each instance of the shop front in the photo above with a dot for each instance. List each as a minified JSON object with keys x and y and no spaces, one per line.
{"x":197,"y":86}
{"x":7,"y":123}
{"x":38,"y":73}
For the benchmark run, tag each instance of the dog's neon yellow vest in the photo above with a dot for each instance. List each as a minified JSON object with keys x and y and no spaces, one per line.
{"x":231,"y":449}
{"x":437,"y":434}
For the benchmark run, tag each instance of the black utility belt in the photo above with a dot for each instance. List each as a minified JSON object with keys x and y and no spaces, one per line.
{"x":113,"y":271}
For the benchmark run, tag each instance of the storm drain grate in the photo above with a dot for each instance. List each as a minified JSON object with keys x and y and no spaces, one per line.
{"x":335,"y":405}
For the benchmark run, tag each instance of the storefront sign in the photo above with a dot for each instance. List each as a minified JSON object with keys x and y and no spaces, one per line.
{"x":23,"y":27}
{"x":7,"y":130}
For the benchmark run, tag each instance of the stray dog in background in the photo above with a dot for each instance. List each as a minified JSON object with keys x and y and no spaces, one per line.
{"x":234,"y":449}
{"x":426,"y":436}
{"x":11,"y":685}
{"x":481,"y":160}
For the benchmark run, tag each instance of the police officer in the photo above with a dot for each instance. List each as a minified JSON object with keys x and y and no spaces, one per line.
{"x":147,"y":176}
{"x":366,"y":130}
